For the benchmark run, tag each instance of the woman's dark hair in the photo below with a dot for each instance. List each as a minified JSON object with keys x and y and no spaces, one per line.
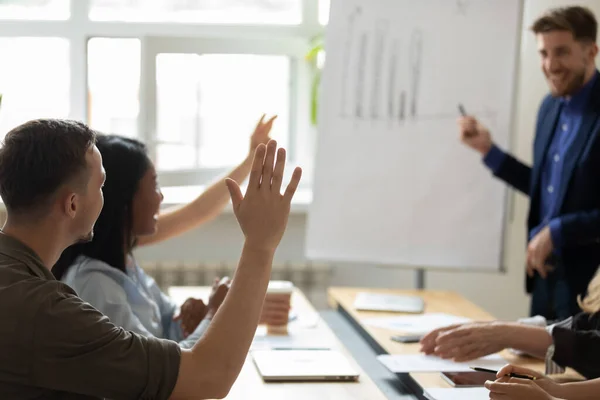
{"x":125,"y":161}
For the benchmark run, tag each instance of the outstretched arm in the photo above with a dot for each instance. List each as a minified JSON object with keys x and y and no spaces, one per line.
{"x":180,"y":219}
{"x":212,"y":366}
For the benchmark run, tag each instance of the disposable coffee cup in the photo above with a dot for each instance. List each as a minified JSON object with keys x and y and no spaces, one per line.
{"x":279,"y":292}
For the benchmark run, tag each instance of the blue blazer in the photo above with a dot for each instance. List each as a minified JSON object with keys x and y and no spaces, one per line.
{"x":579,"y":193}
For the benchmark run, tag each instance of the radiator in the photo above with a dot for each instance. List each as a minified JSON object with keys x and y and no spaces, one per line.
{"x":313,"y":279}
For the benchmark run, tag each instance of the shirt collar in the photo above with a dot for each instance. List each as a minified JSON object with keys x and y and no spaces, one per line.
{"x":13,"y":248}
{"x":578,"y":101}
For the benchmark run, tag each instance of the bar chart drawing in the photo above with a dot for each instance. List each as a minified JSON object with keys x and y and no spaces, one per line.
{"x":361,"y":66}
{"x":391,"y":87}
{"x":416,"y":59}
{"x":348,"y":45}
{"x":381,"y":29}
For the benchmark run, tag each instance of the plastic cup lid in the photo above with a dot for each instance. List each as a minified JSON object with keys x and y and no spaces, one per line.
{"x":280,"y":287}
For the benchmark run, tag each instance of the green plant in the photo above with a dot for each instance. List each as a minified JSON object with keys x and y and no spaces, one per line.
{"x":317,"y":48}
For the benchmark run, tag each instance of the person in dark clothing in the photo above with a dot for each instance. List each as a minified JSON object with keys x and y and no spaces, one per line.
{"x":563,"y":223}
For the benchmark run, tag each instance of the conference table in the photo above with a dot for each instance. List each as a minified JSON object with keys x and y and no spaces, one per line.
{"x":250,"y":385}
{"x":343,"y":299}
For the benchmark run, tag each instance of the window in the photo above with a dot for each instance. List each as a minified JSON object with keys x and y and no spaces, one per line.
{"x":222,"y":95}
{"x":324,"y":11}
{"x":34,"y":80}
{"x":113,"y":85}
{"x":190,"y":78}
{"x":204,"y":11}
{"x":35,"y":9}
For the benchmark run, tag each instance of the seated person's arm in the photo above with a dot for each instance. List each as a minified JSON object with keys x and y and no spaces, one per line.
{"x":584,"y":390}
{"x":470,"y":341}
{"x":217,"y":358}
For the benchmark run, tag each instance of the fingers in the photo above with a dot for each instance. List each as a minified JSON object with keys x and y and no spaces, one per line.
{"x":529,"y":269}
{"x":234,"y":192}
{"x":269,"y":124}
{"x":468,"y":126}
{"x":267,"y":171}
{"x":515,"y":369}
{"x":541,"y":270}
{"x":293,"y":185}
{"x":429,"y":340}
{"x":534,"y":263}
{"x":224,"y":281}
{"x":260,"y":122}
{"x":257,"y":167}
{"x":278,"y":171}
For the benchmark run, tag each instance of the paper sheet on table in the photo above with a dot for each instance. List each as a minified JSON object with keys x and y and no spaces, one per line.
{"x":302,"y":334}
{"x":457,"y":394}
{"x":406,"y":363}
{"x":416,"y":324}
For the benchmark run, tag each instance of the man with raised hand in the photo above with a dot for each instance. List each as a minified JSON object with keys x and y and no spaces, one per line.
{"x":55,"y":346}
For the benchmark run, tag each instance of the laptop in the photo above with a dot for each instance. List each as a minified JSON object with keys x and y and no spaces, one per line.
{"x":303,"y":366}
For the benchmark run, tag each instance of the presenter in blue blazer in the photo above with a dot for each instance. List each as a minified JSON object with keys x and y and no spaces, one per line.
{"x":563,"y":251}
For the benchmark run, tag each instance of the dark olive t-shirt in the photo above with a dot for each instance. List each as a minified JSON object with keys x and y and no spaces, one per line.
{"x":53,"y":345}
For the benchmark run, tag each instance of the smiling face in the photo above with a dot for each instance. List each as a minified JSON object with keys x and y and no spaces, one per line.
{"x":566,"y":62}
{"x":146,"y":204}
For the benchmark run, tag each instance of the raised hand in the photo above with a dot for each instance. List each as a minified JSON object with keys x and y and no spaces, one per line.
{"x":263,"y":211}
{"x":474,"y":135}
{"x":261,"y":133}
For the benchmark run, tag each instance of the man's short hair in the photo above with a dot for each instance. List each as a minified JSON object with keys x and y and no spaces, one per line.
{"x":40,"y":156}
{"x":580,"y":21}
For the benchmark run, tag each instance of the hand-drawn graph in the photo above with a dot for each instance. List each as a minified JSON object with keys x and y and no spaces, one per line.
{"x":360,"y":78}
{"x":366,"y":51}
{"x":348,"y":44}
{"x":381,"y":29}
{"x":393,"y":70}
{"x":416,"y":60}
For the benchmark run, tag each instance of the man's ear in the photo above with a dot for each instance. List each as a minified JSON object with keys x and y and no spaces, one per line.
{"x":70,"y":204}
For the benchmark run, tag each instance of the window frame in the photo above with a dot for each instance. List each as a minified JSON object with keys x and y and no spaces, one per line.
{"x":172,"y":37}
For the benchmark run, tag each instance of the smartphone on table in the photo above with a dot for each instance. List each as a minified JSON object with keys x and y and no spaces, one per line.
{"x":468,"y":378}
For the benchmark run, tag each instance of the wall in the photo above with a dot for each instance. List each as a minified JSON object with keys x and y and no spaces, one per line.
{"x":502,"y":294}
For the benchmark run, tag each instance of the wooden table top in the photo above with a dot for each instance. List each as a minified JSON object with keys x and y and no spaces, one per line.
{"x":250,"y":385}
{"x":435,"y":302}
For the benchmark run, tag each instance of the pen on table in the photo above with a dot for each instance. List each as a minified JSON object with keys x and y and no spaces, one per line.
{"x":512,"y":374}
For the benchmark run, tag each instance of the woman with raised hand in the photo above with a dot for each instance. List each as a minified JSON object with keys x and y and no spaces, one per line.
{"x":104,"y":272}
